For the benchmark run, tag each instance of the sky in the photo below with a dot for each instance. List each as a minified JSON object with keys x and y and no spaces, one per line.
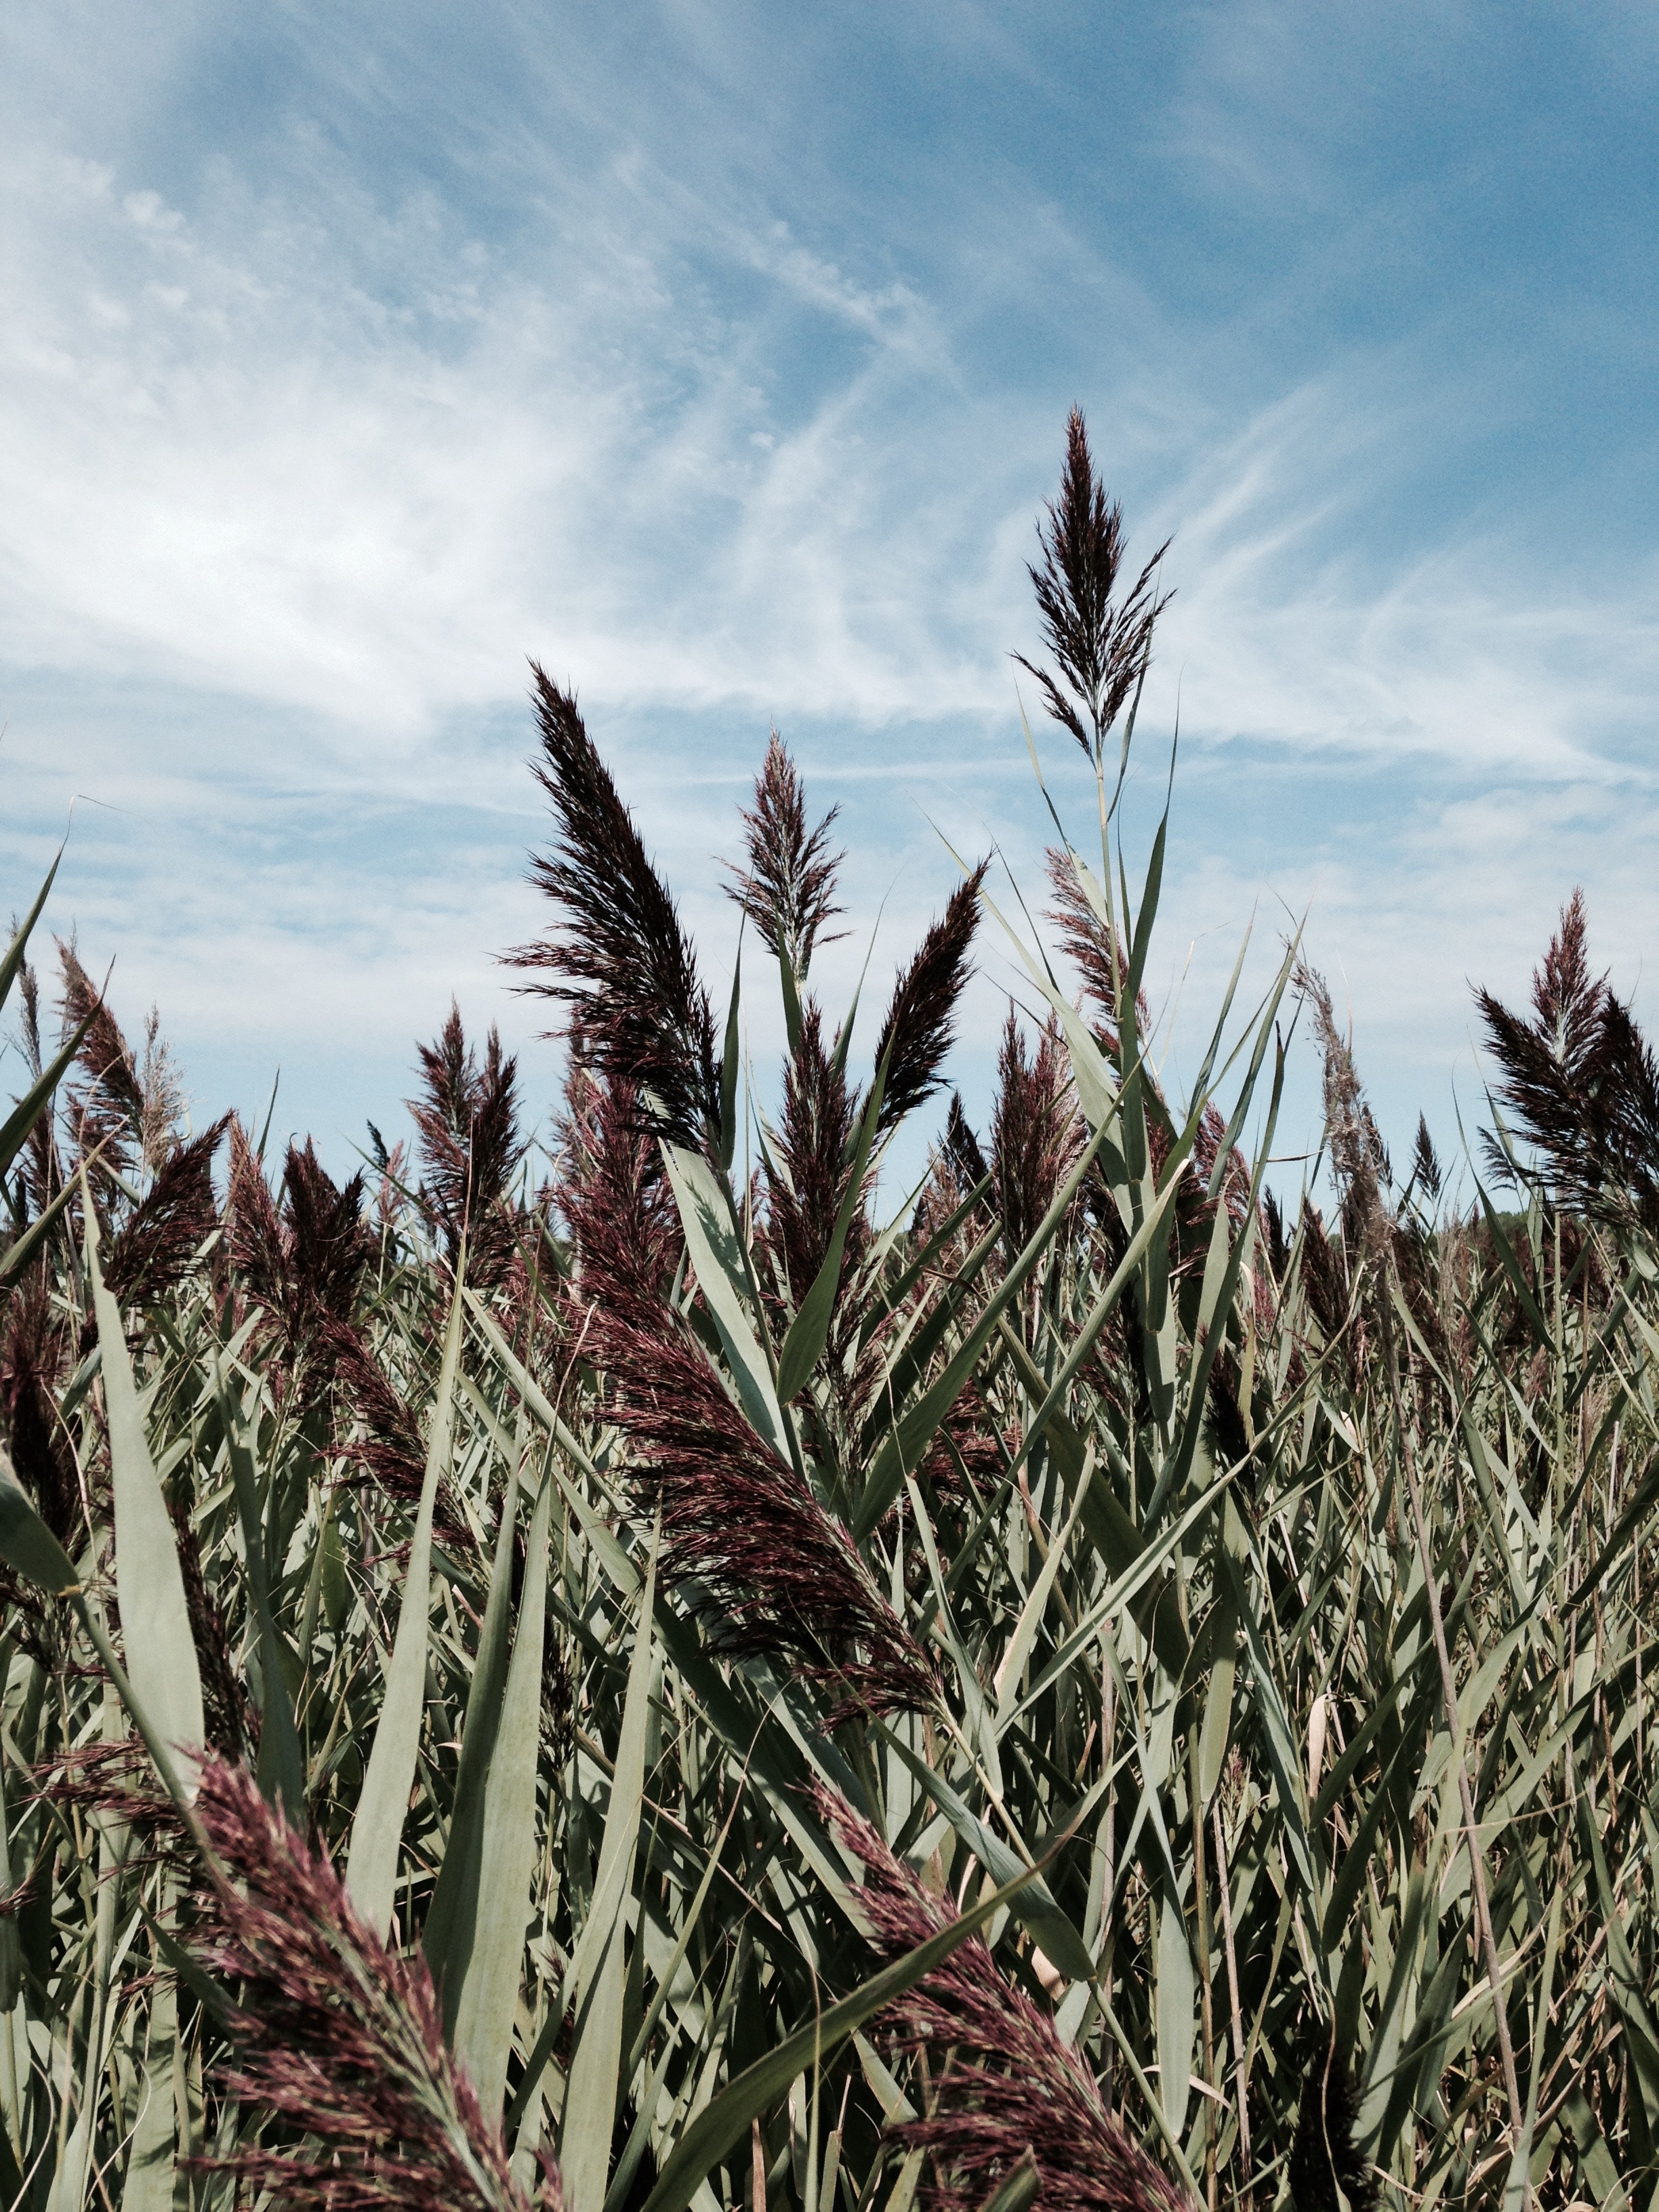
{"x":719,"y":358}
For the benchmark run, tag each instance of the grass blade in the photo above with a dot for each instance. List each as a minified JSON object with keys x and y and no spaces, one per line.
{"x":161,"y":1662}
{"x":25,"y":1543}
{"x":596,"y":2059}
{"x":282,"y":1768}
{"x":377,"y":1832}
{"x":718,"y":1264}
{"x":452,"y":1916}
{"x":489,"y":1998}
{"x":13,"y":959}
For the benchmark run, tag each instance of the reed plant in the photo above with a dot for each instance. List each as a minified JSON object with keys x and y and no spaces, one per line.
{"x":666,"y":1673}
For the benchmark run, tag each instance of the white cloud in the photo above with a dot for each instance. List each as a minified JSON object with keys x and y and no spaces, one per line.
{"x":236,"y":470}
{"x":1464,"y":650}
{"x":241,"y":473}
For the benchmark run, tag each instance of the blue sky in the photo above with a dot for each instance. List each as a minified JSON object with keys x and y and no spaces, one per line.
{"x":720,"y":356}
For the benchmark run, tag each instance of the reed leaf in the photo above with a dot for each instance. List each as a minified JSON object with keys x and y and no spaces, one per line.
{"x":377,"y":1830}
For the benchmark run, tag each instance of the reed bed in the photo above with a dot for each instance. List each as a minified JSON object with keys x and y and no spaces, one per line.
{"x":640,"y":1677}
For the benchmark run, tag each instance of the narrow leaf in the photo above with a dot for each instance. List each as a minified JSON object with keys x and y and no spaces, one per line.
{"x":489,"y":1998}
{"x":162,"y":1663}
{"x":29,"y":1109}
{"x":729,"y":1068}
{"x":596,"y":2060}
{"x":1175,"y":2011}
{"x":377,"y":1833}
{"x":452,"y":1916}
{"x":711,"y":1243}
{"x":811,"y":1326}
{"x":14,"y":955}
{"x":282,"y":1768}
{"x":916,"y":1429}
{"x":25,"y":1543}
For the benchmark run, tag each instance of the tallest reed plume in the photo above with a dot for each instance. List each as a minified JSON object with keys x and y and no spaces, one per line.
{"x":1100,"y":639}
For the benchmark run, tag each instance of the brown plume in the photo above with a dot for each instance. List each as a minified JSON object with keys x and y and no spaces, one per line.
{"x":467,"y":1127}
{"x":40,"y":1175}
{"x":34,"y":1358}
{"x":1426,"y":1162}
{"x":333,"y":2035}
{"x":1101,"y":644}
{"x":788,"y":889}
{"x":231,"y":1717}
{"x":768,"y":1569}
{"x":1359,"y":1163}
{"x":104,"y":1104}
{"x":1326,"y":2170}
{"x":156,"y":1246}
{"x":1004,"y":2085}
{"x":384,"y":1442}
{"x":303,"y":1260}
{"x":618,"y":957}
{"x":1034,"y":1132}
{"x":1582,"y":1083}
{"x":1087,"y":942}
{"x":613,"y":1194}
{"x":815,"y":1139}
{"x":961,"y":1149}
{"x":921,"y":1013}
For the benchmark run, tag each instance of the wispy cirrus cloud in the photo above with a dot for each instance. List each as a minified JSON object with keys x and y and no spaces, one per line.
{"x":240,"y":468}
{"x":1477,"y":650}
